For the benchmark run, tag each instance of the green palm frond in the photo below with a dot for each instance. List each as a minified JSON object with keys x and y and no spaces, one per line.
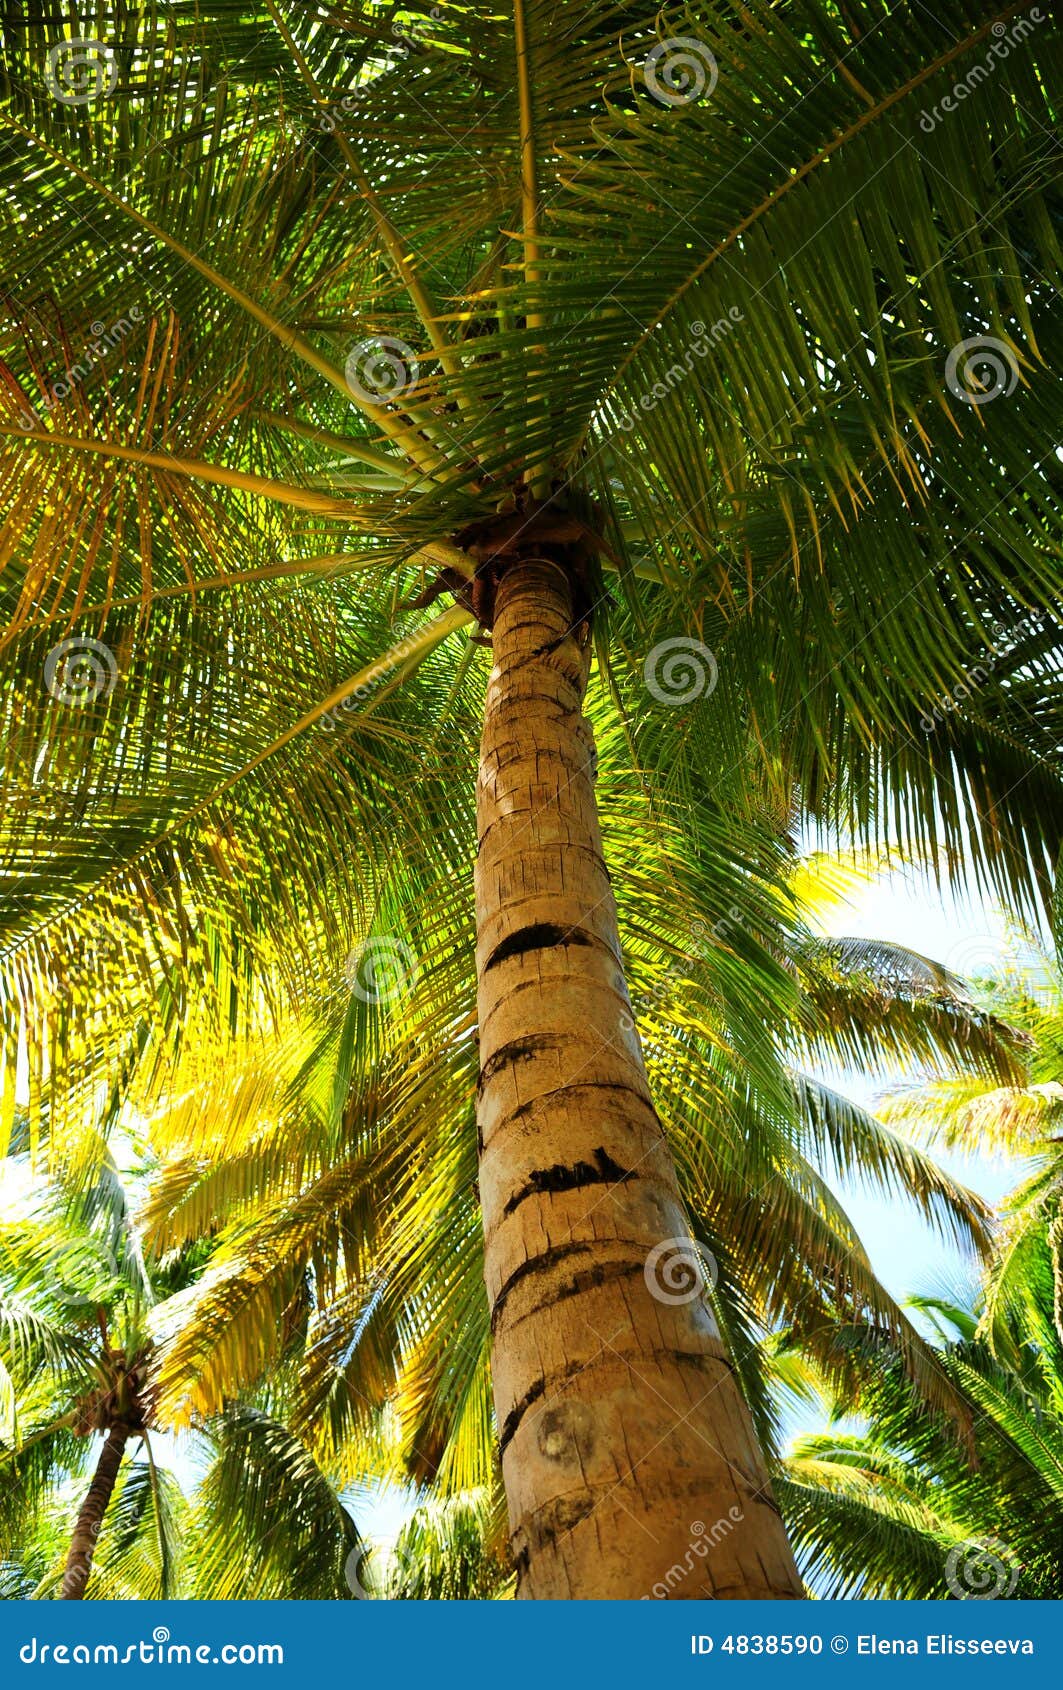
{"x":906,"y":1509}
{"x":269,"y":1524}
{"x":453,"y":1550}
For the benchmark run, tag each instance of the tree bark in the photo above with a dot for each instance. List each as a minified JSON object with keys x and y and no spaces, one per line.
{"x":628,"y":1455}
{"x":90,"y":1519}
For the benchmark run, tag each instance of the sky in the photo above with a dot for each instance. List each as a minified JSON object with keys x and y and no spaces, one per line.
{"x":969,"y":937}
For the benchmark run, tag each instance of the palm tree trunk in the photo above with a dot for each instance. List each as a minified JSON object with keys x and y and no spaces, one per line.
{"x":629,"y":1460}
{"x":83,"y":1543}
{"x":1055,"y":1252}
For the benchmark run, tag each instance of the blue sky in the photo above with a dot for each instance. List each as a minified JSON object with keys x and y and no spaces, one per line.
{"x":968,"y":936}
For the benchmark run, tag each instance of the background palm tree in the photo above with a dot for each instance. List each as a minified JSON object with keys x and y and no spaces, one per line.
{"x":456,"y":1549}
{"x":76,"y":1358}
{"x":1022,"y":1121}
{"x":84,"y":1317}
{"x":689,"y":342}
{"x":908,"y":1508}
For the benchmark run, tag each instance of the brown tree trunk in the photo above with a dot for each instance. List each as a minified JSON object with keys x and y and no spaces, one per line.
{"x":628,"y":1455}
{"x":83,"y":1543}
{"x":1055,"y":1251}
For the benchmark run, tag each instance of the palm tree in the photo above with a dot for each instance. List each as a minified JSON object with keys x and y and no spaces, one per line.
{"x":910,"y":1509}
{"x":665,"y":320}
{"x":266,"y":1521}
{"x":74,"y":1296}
{"x":347,"y":1252}
{"x":84,"y":1317}
{"x":453,"y":1549}
{"x":1020,"y":1120}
